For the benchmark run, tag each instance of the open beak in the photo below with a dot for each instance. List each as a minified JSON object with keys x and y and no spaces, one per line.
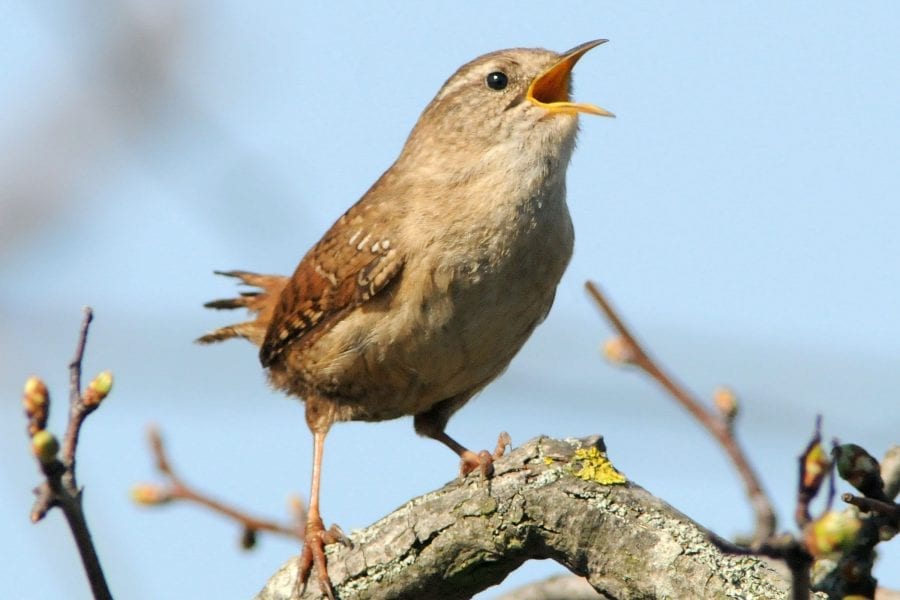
{"x":550,"y":89}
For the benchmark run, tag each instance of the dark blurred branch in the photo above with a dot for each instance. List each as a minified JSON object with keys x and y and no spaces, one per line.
{"x":786,"y":548}
{"x":719,"y":425}
{"x":890,"y":472}
{"x":890,"y":510}
{"x":75,"y":128}
{"x":60,"y":487}
{"x":121,"y":85}
{"x":814,"y":468}
{"x":177,"y":489}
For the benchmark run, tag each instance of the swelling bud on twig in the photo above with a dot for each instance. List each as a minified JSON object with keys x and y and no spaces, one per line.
{"x":859,"y":469}
{"x":832,"y":532}
{"x":297,"y":508}
{"x":98,"y":389}
{"x":248,"y":538}
{"x":148,"y":494}
{"x":815,"y":466}
{"x":36,"y":402}
{"x":726,"y":401}
{"x":618,"y":351}
{"x":45,"y":446}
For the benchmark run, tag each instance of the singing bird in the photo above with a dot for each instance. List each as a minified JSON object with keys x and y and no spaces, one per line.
{"x":424,"y":290}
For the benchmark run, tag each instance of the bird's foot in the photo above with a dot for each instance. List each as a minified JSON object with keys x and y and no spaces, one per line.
{"x":484,"y":460}
{"x":315,"y":539}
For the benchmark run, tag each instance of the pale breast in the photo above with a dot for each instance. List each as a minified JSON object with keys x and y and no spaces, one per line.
{"x":466,"y":311}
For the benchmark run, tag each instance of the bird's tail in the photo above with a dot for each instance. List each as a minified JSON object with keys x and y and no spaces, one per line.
{"x":260,"y":302}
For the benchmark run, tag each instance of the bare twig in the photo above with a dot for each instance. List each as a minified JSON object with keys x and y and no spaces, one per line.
{"x":719,"y":426}
{"x":891,"y":510}
{"x":60,"y":487}
{"x":839,"y":543}
{"x":784,"y":547}
{"x":77,"y":409}
{"x":177,"y":489}
{"x":791,"y":551}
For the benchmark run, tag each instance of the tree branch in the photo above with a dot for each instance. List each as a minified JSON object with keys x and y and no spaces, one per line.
{"x":719,"y":425}
{"x":60,"y":487}
{"x":471,"y":534}
{"x":77,"y":409}
{"x":888,"y":509}
{"x":176,"y":488}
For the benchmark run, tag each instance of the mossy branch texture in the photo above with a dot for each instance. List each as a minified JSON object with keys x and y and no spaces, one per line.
{"x":470,"y":534}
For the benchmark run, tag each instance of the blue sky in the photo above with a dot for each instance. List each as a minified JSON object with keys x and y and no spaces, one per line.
{"x":741,"y":211}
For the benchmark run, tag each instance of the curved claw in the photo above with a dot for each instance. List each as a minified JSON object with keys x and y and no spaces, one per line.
{"x":314,"y":542}
{"x":484,"y":460}
{"x":503,"y":442}
{"x":471,"y":461}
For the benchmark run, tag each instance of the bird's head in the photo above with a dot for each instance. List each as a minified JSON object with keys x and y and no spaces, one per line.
{"x":508,"y":101}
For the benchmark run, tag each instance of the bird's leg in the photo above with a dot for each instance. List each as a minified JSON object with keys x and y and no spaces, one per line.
{"x":316,"y":536}
{"x":469,"y":460}
{"x":426,"y":424}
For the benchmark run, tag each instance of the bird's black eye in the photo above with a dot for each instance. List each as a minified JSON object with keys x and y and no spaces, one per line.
{"x":497,"y":80}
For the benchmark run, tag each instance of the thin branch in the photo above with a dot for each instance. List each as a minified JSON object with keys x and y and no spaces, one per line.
{"x":177,"y":489}
{"x":69,"y":501}
{"x":797,"y":560}
{"x":60,"y":488}
{"x":890,"y":510}
{"x":77,"y":410}
{"x":784,"y":547}
{"x":719,"y":427}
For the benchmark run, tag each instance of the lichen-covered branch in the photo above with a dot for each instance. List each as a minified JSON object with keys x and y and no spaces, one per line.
{"x":541,"y":503}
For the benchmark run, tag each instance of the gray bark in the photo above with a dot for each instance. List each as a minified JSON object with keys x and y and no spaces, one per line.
{"x":470,"y":534}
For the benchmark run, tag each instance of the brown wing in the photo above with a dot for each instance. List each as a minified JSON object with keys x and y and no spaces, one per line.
{"x":354,"y":261}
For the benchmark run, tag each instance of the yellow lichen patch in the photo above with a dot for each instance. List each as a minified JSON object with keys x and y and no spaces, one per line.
{"x":590,"y":464}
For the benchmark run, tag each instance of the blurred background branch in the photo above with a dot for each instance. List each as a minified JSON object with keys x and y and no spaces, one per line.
{"x":625,"y":349}
{"x":115,"y":92}
{"x":175,"y":488}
